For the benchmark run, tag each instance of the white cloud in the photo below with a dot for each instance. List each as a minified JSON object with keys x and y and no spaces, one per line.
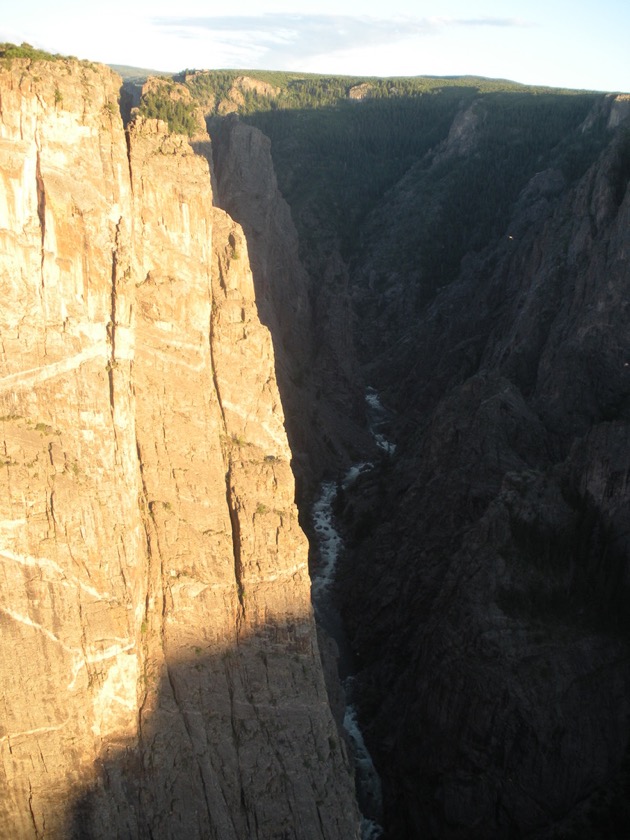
{"x":288,"y":40}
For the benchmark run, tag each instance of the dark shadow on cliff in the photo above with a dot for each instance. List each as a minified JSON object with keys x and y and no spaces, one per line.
{"x":416,"y":181}
{"x":495,"y":668}
{"x":231,"y":744}
{"x":492,"y":558}
{"x":310,"y":322}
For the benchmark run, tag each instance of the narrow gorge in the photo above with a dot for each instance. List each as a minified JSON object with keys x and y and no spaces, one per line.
{"x":397,"y":319}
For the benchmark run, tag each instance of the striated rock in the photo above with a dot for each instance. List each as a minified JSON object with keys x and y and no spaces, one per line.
{"x":72,"y":536}
{"x":155,"y":582}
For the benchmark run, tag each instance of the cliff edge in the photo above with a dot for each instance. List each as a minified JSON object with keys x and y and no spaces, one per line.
{"x":160,"y":671}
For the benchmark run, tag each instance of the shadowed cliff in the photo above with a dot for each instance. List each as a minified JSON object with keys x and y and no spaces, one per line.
{"x":489,"y":295}
{"x":229,"y":745}
{"x":319,"y":379}
{"x":495,"y":665}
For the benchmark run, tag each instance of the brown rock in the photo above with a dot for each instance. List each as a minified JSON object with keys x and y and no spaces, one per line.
{"x":154,"y":585}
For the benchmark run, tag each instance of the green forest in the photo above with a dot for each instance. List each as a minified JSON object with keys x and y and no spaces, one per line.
{"x":180,"y":115}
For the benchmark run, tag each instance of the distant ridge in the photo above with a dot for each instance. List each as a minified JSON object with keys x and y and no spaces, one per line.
{"x":136,"y":74}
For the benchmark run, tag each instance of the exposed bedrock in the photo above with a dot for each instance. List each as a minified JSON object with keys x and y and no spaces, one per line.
{"x":160,"y":670}
{"x":487,"y":597}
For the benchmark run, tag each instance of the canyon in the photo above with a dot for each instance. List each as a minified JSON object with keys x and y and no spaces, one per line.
{"x":198,"y":335}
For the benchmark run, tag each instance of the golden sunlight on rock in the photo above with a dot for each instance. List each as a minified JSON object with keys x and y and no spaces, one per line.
{"x":160,"y":667}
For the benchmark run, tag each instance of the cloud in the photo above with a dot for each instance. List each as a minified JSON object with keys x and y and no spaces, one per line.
{"x":487,"y":21}
{"x":291,"y":38}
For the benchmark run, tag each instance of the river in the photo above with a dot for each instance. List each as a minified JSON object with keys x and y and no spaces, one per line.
{"x":329,"y":549}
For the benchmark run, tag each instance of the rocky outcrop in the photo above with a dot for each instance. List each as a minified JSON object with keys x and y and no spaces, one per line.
{"x":463,"y":134}
{"x":361,"y":91}
{"x":241,"y":86}
{"x":494,"y":668}
{"x":160,"y":672}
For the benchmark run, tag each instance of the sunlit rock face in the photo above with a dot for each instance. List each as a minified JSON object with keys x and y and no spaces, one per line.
{"x":160,"y":671}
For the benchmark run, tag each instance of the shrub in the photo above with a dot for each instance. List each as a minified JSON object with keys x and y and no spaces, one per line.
{"x":25,"y":50}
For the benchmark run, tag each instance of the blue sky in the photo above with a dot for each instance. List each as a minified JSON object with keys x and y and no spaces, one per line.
{"x":559,"y":43}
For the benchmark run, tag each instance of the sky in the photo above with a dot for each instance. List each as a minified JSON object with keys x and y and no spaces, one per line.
{"x":580,"y":44}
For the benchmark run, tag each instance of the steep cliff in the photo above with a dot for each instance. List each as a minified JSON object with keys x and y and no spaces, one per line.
{"x":483,"y":238}
{"x":307,"y":312}
{"x":492,"y":553}
{"x":160,"y":672}
{"x":167,"y":681}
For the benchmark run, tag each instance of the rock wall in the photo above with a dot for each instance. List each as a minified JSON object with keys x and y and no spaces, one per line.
{"x":492,"y":553}
{"x":308,"y":312}
{"x":160,"y":671}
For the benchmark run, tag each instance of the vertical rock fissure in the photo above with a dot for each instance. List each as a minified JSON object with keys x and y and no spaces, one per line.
{"x":154,"y":641}
{"x":129,"y":166}
{"x":111,"y":327}
{"x":144,"y":506}
{"x":235,"y":736}
{"x":234,"y":520}
{"x":32,"y":812}
{"x":41,"y":211}
{"x":236,"y":541}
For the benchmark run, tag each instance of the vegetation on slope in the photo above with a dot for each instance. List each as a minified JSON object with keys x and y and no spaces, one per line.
{"x":9,"y":51}
{"x":335,"y":162}
{"x":455,"y":203}
{"x":313,"y":91}
{"x":180,"y":116}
